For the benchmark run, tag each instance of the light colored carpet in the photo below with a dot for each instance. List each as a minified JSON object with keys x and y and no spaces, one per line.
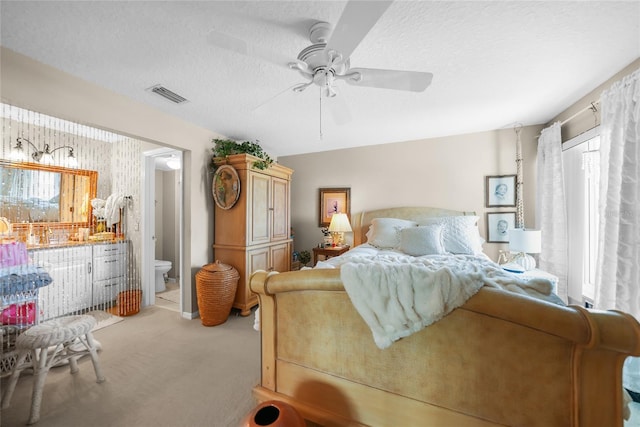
{"x":104,"y":319}
{"x":171,"y":295}
{"x":160,"y":369}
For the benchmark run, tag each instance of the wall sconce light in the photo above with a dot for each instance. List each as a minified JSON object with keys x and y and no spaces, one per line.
{"x":338,"y":226}
{"x":44,"y":156}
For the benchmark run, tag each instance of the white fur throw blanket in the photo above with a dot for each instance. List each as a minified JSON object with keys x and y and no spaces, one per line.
{"x":399,"y":295}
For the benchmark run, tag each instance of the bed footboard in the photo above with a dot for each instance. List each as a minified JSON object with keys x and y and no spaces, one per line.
{"x":500,"y":359}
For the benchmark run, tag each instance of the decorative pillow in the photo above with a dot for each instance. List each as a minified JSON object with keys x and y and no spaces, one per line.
{"x":385,"y":232}
{"x":422,"y":240}
{"x":460,"y":234}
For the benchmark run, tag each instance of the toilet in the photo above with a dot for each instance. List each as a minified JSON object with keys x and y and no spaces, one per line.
{"x":162,"y":267}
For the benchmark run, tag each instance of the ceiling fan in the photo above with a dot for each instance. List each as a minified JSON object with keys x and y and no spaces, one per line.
{"x":326,"y":60}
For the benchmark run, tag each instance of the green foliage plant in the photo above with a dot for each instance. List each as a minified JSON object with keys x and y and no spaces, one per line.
{"x":227,"y":147}
{"x":304,"y":257}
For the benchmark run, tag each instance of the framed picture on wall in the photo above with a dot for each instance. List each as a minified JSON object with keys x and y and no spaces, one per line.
{"x":500,"y":191}
{"x":498,"y":226}
{"x":333,"y":200}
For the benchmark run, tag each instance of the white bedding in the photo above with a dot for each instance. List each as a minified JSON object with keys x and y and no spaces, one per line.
{"x":398,"y":294}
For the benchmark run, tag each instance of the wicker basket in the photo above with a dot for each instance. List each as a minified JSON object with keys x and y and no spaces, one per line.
{"x":128,"y":303}
{"x":216,"y":288}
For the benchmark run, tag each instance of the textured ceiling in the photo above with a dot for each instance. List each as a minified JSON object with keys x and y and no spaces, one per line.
{"x":495,"y":63}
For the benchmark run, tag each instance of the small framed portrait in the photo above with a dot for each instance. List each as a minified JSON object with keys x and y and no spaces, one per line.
{"x":225,"y":187}
{"x":333,"y":200}
{"x":498,"y":226}
{"x":500,"y":191}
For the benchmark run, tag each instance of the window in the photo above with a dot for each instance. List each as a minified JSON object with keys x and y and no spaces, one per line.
{"x":581,"y":160}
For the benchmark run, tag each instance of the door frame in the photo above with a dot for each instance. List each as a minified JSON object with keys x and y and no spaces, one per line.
{"x":148,"y":224}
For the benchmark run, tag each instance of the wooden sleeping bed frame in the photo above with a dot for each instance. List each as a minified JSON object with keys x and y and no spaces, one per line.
{"x":502,"y":359}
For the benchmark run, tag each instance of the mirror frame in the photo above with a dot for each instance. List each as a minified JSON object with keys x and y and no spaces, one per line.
{"x":93,"y":190}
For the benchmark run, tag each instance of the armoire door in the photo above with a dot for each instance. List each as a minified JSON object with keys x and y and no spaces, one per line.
{"x":281,"y":229}
{"x":259,"y":205}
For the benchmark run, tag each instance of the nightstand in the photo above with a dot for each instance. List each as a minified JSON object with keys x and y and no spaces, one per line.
{"x":328,"y":252}
{"x":540,"y":274}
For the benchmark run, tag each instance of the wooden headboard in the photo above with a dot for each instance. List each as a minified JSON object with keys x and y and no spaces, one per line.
{"x":360,"y":222}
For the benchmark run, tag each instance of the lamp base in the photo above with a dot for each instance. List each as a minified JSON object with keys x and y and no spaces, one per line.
{"x":526,"y":261}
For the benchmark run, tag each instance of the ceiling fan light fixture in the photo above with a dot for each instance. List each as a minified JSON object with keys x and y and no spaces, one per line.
{"x":329,"y":91}
{"x":353,"y":76}
{"x":302,"y":86}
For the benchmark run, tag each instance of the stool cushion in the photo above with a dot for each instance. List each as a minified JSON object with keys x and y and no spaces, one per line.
{"x":56,"y":331}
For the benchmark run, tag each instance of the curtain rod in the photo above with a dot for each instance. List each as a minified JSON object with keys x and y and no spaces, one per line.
{"x":593,"y":107}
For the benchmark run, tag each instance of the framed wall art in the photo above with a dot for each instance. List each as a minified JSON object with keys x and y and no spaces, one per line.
{"x":500,"y":191}
{"x":498,"y":226}
{"x":333,"y":200}
{"x":225,"y":187}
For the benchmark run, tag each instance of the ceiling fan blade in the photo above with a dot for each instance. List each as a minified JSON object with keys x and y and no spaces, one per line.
{"x":234,"y":44}
{"x":357,"y":19}
{"x":415,"y":81}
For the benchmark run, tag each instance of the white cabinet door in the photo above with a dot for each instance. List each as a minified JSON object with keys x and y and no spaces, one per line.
{"x":109,"y":272}
{"x":71,"y":289}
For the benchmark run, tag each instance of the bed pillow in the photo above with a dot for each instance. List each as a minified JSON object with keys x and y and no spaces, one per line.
{"x":384,"y":233}
{"x":460,"y":234}
{"x":422,"y":240}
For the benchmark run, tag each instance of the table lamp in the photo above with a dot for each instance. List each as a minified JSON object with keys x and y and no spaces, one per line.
{"x":338,"y":226}
{"x":525,"y":242}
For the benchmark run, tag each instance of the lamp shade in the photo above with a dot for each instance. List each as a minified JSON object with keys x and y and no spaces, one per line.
{"x":527,"y":241}
{"x":17,"y":153}
{"x":340,"y":223}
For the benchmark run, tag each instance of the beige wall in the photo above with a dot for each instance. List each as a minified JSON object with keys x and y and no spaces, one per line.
{"x":32,"y":85}
{"x":441,"y":172}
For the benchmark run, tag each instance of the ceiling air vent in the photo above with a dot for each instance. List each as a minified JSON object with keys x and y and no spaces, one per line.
{"x":166,"y":93}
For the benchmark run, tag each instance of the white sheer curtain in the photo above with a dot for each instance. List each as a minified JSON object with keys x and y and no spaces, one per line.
{"x":551,"y":214}
{"x":618,"y":269}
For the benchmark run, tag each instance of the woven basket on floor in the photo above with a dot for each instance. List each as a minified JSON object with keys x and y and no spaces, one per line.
{"x":128,"y":303}
{"x":216,"y":289}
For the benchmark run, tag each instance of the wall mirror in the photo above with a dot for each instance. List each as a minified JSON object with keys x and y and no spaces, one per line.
{"x":43,"y":194}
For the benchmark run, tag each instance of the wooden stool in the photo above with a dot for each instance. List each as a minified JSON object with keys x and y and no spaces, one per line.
{"x":70,"y":337}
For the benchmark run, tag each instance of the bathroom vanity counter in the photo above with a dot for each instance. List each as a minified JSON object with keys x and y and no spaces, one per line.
{"x":73,"y":243}
{"x":85,"y":275}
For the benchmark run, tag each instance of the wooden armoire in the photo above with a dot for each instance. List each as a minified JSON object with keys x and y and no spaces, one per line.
{"x":255,"y":233}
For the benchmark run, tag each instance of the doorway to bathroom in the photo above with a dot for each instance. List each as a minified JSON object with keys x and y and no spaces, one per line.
{"x":162,"y":228}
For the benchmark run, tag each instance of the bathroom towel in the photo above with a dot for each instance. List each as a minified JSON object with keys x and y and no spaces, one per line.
{"x":98,"y":206}
{"x":112,"y":209}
